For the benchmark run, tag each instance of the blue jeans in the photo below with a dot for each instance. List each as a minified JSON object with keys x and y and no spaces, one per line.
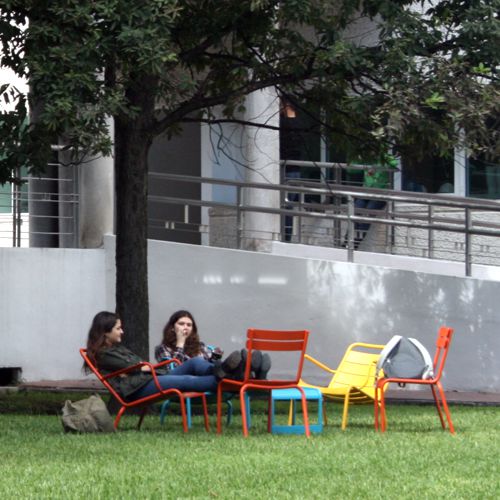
{"x":367,"y":205}
{"x":196,"y":374}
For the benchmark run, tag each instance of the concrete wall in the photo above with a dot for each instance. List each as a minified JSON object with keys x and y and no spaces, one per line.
{"x":48,"y":298}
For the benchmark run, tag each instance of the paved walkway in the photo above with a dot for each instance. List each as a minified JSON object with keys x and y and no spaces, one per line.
{"x":394,"y":395}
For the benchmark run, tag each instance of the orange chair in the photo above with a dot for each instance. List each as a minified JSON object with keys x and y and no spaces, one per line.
{"x":442,"y":345}
{"x":273,"y":341}
{"x":148,"y":400}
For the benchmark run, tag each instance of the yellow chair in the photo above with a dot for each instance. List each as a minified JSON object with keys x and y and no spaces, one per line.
{"x":353,"y":382}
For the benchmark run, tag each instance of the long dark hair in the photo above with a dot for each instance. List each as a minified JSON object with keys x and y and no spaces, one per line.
{"x":102,"y":323}
{"x":192,"y":346}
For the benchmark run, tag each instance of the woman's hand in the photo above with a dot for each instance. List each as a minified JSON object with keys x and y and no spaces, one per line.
{"x":181,"y":335}
{"x":146,"y":368}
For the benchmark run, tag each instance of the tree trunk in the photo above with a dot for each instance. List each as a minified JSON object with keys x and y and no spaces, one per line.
{"x":132,"y":143}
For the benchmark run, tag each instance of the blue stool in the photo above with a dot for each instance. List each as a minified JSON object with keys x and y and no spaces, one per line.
{"x":293,"y":395}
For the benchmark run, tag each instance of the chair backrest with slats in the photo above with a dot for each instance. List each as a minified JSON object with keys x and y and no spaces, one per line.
{"x":102,"y":379}
{"x":278,"y":341}
{"x":357,"y":369}
{"x":442,"y":346}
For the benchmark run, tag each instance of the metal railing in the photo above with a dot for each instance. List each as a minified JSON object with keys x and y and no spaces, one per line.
{"x":432,"y":218}
{"x":434,"y":226}
{"x":18,"y":223}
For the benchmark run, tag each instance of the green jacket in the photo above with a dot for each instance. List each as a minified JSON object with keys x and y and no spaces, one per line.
{"x":378,"y":176}
{"x":116,"y":358}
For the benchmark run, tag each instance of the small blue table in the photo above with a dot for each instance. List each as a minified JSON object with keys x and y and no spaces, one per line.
{"x":293,"y":395}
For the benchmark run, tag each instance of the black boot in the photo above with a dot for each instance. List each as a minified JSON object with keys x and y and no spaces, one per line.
{"x":229,"y":365}
{"x":265,"y":366}
{"x":256,"y":361}
{"x":238,"y":373}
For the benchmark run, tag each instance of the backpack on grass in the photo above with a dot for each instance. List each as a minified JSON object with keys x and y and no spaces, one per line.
{"x":405,"y":358}
{"x":87,"y":415}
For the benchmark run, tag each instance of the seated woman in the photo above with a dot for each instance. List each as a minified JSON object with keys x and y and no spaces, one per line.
{"x":104,"y":349}
{"x":182,"y":342}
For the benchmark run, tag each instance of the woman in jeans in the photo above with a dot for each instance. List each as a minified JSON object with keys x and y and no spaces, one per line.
{"x":105,"y":350}
{"x":182,"y":342}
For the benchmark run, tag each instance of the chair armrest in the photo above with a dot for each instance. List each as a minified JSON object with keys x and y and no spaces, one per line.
{"x":319,"y":364}
{"x":137,"y":367}
{"x":364,"y":344}
{"x":128,"y":369}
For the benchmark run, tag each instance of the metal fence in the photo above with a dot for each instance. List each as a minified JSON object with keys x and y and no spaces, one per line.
{"x":322,"y":213}
{"x":416,"y":224}
{"x":45,"y":210}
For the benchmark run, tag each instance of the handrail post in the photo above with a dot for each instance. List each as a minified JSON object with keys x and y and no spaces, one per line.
{"x":337,"y":203}
{"x":299,"y":218}
{"x":468,"y":257}
{"x":238,"y":217}
{"x":430,"y":241}
{"x":350,"y":228}
{"x":392,"y":228}
{"x":282,"y":194}
{"x":16,"y":209}
{"x":14,"y":216}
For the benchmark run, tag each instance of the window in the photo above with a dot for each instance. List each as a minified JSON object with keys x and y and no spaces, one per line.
{"x":483,"y":178}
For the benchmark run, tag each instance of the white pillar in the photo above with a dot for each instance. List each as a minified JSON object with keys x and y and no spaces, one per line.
{"x":96,"y":203}
{"x":460,"y":171}
{"x":262,"y":160}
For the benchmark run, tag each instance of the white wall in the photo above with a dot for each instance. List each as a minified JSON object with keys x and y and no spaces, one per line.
{"x":48,"y":298}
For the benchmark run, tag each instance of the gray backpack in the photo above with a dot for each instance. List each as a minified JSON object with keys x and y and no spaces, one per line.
{"x":87,"y":415}
{"x":405,"y":358}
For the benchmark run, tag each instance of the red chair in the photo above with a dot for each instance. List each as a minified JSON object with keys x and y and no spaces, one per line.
{"x":442,"y":345}
{"x":148,"y":400}
{"x":273,"y":341}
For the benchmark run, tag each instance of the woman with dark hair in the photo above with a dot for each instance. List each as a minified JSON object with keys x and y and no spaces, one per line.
{"x":182,"y":342}
{"x":105,"y":350}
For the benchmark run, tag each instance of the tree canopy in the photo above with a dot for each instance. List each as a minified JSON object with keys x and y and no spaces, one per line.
{"x":388,"y":73}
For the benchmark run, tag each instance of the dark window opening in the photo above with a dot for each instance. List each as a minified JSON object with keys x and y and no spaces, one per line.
{"x":10,"y":376}
{"x":428,"y":174}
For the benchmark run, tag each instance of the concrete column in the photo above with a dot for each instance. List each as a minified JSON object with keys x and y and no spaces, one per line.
{"x":460,"y":172}
{"x":262,"y":159}
{"x":96,"y":200}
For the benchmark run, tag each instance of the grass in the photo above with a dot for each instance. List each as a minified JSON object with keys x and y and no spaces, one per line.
{"x":414,"y":459}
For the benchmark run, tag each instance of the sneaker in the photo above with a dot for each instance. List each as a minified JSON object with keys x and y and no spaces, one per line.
{"x":265,"y":366}
{"x":232,"y":361}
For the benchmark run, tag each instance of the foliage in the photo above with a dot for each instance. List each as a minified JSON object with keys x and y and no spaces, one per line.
{"x":88,"y":60}
{"x":387,"y":72}
{"x":414,"y":458}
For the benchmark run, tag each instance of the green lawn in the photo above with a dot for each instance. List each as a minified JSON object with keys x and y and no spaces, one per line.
{"x":414,"y":459}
